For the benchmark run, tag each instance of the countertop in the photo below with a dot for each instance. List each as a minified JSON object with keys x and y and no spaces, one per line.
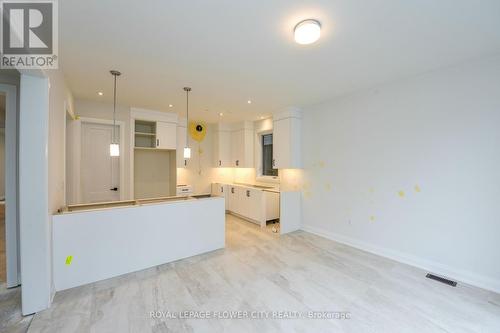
{"x":258,"y":187}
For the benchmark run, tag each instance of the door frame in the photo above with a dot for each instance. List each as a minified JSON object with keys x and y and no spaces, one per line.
{"x":121,"y":125}
{"x":12,"y":242}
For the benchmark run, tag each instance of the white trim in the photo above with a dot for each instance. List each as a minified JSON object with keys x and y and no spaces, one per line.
{"x":11,"y":186}
{"x":259,"y":177}
{"x":464,"y":276}
{"x":121,"y":124}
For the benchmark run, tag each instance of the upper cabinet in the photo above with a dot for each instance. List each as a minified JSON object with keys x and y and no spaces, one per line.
{"x":234,"y":145}
{"x":242,"y":140}
{"x":154,"y":129}
{"x":222,"y":146}
{"x":287,"y":139}
{"x":166,"y":135}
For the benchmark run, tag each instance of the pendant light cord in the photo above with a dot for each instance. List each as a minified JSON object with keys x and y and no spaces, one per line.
{"x":187,"y":90}
{"x":114,"y":112}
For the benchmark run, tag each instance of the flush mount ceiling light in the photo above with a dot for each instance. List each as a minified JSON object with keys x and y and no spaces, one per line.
{"x":170,"y":106}
{"x":100,"y":93}
{"x":307,"y":32}
{"x":249,"y":102}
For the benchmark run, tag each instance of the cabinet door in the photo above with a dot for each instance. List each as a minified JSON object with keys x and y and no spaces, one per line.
{"x":181,"y":143}
{"x":166,"y":135}
{"x":254,"y":207}
{"x":223,"y":149}
{"x":232,"y":199}
{"x":236,"y":148}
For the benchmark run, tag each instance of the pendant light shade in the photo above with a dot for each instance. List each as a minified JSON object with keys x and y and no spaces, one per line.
{"x":187,"y":150}
{"x":114,"y":147}
{"x":114,"y":150}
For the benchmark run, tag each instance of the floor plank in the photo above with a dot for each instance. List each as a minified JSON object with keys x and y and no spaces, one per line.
{"x":260,"y":271}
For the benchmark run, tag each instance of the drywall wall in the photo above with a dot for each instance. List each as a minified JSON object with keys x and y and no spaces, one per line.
{"x":2,"y":146}
{"x":90,"y":109}
{"x":2,"y":164}
{"x":154,"y":173}
{"x":409,"y":170}
{"x":60,"y":101}
{"x":35,"y":225}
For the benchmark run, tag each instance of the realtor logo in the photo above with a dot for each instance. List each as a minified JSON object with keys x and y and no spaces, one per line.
{"x":29,"y":37}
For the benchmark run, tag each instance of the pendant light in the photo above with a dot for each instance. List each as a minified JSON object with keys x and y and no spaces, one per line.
{"x":187,"y":150}
{"x":114,"y":147}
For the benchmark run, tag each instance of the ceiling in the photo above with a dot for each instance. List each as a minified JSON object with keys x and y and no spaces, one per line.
{"x":231,"y":51}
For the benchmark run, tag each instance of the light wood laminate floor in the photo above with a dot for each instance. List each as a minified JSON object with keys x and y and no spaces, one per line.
{"x":259,"y":271}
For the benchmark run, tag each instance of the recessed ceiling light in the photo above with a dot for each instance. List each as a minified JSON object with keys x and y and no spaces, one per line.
{"x":221,"y":114}
{"x":307,"y":32}
{"x":100,"y":93}
{"x":249,"y":102}
{"x":170,"y":106}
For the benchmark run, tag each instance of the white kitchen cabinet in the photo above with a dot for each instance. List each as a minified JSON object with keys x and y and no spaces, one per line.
{"x":287,"y":140}
{"x":253,"y":204}
{"x":233,"y":199}
{"x":181,"y":143}
{"x":222,"y":146}
{"x":166,"y":135}
{"x":221,"y":190}
{"x":242,"y":145}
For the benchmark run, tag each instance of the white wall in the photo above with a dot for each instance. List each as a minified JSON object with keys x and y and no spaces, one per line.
{"x":2,"y":163}
{"x":35,"y":227}
{"x":435,"y":137}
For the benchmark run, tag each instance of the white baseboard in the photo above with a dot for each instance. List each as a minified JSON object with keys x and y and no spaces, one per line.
{"x":467,"y":277}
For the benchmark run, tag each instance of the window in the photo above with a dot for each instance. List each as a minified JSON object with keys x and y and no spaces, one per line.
{"x":267,"y":156}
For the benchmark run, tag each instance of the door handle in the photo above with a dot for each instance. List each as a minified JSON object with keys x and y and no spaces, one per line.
{"x":248,"y":193}
{"x":114,"y":189}
{"x":237,"y":162}
{"x":222,"y":189}
{"x":157,"y":142}
{"x":232,"y":190}
{"x":185,"y":162}
{"x":220,"y":163}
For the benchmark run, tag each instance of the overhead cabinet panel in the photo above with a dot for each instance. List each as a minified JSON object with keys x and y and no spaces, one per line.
{"x":287,"y":140}
{"x":166,"y":135}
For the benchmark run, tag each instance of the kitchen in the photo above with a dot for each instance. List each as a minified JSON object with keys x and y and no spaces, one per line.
{"x":169,"y":171}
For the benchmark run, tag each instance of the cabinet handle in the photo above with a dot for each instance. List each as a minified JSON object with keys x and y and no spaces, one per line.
{"x":237,"y":162}
{"x":157,"y":142}
{"x":248,"y":193}
{"x":220,"y":163}
{"x":185,"y":162}
{"x":232,"y":190}
{"x":222,"y":189}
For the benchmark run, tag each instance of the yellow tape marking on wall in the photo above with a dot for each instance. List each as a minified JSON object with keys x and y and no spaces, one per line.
{"x":69,"y":259}
{"x":401,"y":194}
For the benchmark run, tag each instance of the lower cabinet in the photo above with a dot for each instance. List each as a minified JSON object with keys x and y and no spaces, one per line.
{"x":253,"y":204}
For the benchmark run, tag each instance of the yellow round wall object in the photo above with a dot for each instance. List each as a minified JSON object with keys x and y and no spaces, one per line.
{"x":197,"y":130}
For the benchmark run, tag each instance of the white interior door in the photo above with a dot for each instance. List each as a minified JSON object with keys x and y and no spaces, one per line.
{"x":100,"y":172}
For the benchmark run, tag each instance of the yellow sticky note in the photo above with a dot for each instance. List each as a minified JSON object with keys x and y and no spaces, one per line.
{"x":417,"y":188}
{"x":372,"y":218}
{"x":68,"y":260}
{"x":401,"y":194}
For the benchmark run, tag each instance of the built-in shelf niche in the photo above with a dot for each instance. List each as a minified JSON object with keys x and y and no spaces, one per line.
{"x":145,"y":134}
